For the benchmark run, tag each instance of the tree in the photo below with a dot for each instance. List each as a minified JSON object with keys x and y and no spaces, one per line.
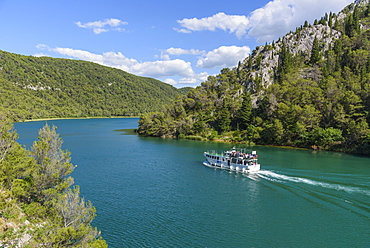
{"x":330,"y":23}
{"x":315,"y":52}
{"x":35,"y":196}
{"x":53,"y":163}
{"x":352,"y":25}
{"x":224,"y":121}
{"x":285,"y":62}
{"x":75,"y":222}
{"x":7,"y":136}
{"x":246,"y":111}
{"x":15,"y":163}
{"x":326,"y":137}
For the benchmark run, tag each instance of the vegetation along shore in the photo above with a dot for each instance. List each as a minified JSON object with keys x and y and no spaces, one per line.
{"x":310,"y":88}
{"x":39,"y":205}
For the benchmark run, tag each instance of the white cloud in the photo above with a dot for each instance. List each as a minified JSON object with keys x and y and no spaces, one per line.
{"x":180,"y":51}
{"x":270,"y":22}
{"x":157,"y":69}
{"x":224,"y":56}
{"x":196,"y":79}
{"x":170,"y":81}
{"x":237,"y":24}
{"x":39,"y":55}
{"x":165,"y":54}
{"x":278,"y":17}
{"x":100,"y":30}
{"x":162,"y":68}
{"x":103,"y":26}
{"x":183,"y":30}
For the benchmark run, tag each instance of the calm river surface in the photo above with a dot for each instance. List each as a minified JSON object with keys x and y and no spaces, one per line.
{"x":152,"y":192}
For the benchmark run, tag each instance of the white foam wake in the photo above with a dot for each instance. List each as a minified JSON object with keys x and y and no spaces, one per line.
{"x":275,"y":177}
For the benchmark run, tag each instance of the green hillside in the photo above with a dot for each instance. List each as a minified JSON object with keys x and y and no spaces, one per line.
{"x":311,"y":88}
{"x":44,"y":87}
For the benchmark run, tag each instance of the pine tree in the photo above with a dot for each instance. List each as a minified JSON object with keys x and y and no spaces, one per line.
{"x":285,"y":62}
{"x":352,"y":24}
{"x":330,"y":20}
{"x":224,"y":121}
{"x":367,"y":12}
{"x":315,"y":52}
{"x":54,"y":163}
{"x":338,"y":51}
{"x":246,"y":111}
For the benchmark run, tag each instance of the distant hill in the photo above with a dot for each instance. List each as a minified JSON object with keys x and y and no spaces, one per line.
{"x":43,"y":87}
{"x":310,"y":88}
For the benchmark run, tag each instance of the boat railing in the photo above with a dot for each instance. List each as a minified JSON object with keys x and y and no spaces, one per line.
{"x":215,"y":153}
{"x":238,"y":155}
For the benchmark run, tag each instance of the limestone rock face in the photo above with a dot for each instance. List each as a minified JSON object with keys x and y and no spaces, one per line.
{"x":261,"y":65}
{"x":298,"y":43}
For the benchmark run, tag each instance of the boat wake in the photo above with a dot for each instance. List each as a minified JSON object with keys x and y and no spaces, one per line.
{"x":275,"y":177}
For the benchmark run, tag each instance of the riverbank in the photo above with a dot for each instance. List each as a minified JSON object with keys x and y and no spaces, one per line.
{"x":227,"y":139}
{"x":79,"y":118}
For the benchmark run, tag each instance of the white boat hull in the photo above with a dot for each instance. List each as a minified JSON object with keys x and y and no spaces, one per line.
{"x":233,"y":161}
{"x":241,"y":169}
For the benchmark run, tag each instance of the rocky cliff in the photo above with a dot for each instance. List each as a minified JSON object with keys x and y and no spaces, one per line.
{"x":262,"y":64}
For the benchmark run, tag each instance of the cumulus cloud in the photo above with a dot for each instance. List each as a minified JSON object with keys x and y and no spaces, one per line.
{"x":157,"y":69}
{"x":278,"y":17}
{"x":224,"y":56}
{"x":197,"y":78}
{"x":273,"y":20}
{"x":170,"y":81}
{"x":180,"y":51}
{"x":193,"y":80}
{"x":237,"y":24}
{"x":165,"y":54}
{"x":161,"y":68}
{"x":103,"y":26}
{"x":39,"y":55}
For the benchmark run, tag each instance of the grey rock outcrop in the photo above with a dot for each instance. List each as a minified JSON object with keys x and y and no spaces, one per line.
{"x":265,"y":59}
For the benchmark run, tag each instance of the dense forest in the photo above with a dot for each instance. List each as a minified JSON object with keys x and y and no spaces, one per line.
{"x":310,"y":88}
{"x":39,"y":206}
{"x":43,"y":87}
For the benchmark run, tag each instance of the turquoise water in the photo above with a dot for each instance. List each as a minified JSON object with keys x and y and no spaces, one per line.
{"x":152,"y":192}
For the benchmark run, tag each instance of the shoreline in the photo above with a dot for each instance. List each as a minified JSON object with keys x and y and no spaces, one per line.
{"x":79,"y":118}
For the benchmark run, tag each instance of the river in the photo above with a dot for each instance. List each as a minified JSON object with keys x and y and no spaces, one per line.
{"x":152,"y":192}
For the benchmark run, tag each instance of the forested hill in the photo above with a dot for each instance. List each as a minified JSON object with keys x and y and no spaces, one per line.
{"x":310,"y":88}
{"x":40,"y":87}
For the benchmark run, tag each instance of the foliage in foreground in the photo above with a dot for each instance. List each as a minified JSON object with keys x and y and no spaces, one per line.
{"x":318,"y":99}
{"x":39,"y":207}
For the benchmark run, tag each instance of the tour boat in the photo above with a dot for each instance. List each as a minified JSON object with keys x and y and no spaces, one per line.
{"x":238,"y":160}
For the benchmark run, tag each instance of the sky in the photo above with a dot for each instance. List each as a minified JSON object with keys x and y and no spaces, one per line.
{"x":177,"y":42}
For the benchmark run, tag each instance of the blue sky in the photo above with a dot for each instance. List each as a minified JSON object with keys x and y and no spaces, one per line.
{"x":177,"y":42}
